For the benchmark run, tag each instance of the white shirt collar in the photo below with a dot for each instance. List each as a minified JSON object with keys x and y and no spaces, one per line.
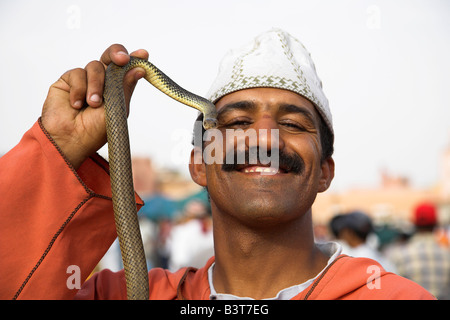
{"x":331,"y":249}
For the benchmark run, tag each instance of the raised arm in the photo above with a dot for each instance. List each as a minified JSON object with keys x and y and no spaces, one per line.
{"x":56,"y":218}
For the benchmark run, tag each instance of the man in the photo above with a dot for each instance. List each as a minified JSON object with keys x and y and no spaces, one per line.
{"x":58,"y":218}
{"x":422,"y":259}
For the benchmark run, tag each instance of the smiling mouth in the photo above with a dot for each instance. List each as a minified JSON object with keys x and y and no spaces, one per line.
{"x":284,"y":163}
{"x":260,"y":170}
{"x":264,"y":170}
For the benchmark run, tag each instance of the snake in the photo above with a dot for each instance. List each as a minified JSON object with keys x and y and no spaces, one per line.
{"x":119,"y":157}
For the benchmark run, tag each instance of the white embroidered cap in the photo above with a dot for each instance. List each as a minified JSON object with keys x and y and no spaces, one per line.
{"x":274,"y":59}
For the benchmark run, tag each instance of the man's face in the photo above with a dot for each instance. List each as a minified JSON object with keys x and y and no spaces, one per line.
{"x":288,"y":190}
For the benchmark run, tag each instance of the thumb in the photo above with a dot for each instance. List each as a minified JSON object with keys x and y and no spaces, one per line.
{"x":129,"y":82}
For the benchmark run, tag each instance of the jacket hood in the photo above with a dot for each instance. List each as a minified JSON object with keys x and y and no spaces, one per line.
{"x":346,"y":278}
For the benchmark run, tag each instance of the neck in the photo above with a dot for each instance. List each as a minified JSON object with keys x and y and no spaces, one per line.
{"x":259,"y":262}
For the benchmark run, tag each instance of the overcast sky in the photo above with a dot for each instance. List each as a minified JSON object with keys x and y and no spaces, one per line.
{"x":384,"y":65}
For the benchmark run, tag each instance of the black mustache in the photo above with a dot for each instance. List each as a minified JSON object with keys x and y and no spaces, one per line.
{"x":286,"y":161}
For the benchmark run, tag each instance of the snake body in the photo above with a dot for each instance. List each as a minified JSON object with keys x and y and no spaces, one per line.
{"x":123,"y":196}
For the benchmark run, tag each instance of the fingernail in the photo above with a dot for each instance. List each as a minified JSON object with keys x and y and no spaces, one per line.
{"x":123,"y":53}
{"x":78,"y":104}
{"x":96,"y":98}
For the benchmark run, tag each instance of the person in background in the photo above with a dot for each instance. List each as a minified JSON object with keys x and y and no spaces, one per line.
{"x":190,"y":242}
{"x":353,"y":231}
{"x":422,"y":259}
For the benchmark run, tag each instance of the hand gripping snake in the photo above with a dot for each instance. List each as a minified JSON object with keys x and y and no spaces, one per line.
{"x":123,"y":196}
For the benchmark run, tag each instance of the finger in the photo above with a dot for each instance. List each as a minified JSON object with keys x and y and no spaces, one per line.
{"x":116,"y":53}
{"x":129,"y":82}
{"x":95,"y":82}
{"x":131,"y":77}
{"x":76,"y":80}
{"x":140,"y":53}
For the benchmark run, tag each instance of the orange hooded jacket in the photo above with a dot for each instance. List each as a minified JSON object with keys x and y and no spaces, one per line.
{"x":55,"y":220}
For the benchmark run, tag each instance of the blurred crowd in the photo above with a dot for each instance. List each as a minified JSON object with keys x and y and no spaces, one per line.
{"x":172,"y":238}
{"x":419,"y":252}
{"x":178,"y":233}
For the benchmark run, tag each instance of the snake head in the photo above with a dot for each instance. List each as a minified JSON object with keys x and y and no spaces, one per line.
{"x":210,"y":123}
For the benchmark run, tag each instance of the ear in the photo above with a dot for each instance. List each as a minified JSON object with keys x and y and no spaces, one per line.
{"x":327,"y":174}
{"x":197,"y":167}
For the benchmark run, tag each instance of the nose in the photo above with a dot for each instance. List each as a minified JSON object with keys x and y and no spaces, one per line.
{"x":268,"y":133}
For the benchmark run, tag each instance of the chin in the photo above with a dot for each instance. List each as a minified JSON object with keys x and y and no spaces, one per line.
{"x":263,"y":212}
{"x":255,"y":200}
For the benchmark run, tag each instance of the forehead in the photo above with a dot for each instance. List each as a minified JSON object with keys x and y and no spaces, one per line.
{"x":266,"y":98}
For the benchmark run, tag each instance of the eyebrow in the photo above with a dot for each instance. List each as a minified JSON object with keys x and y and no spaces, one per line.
{"x":240,"y":105}
{"x":292,"y":108}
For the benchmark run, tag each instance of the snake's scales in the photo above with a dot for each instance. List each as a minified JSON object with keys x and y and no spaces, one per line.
{"x":123,"y":197}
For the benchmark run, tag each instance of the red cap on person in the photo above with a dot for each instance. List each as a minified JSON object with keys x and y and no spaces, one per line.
{"x":425,"y":215}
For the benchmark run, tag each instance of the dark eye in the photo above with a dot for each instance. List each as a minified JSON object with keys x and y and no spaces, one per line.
{"x":292,"y":126}
{"x":238,"y":123}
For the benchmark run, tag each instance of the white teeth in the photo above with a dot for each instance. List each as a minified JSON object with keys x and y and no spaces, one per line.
{"x":261,"y":170}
